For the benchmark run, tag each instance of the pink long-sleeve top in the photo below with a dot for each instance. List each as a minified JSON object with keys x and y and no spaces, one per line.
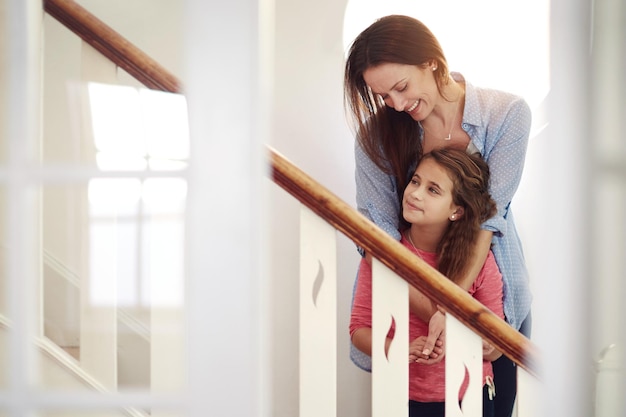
{"x":427,"y":382}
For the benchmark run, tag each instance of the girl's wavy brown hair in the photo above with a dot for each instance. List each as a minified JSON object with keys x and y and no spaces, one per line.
{"x":470,"y":190}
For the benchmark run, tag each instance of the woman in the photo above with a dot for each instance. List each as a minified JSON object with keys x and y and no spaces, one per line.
{"x":445,"y":203}
{"x":405,"y":103}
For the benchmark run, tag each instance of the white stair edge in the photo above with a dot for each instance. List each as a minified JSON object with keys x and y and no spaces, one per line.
{"x":71,"y":277}
{"x":71,"y":365}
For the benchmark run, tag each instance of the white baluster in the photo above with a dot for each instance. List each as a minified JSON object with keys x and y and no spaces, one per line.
{"x":529,"y":395}
{"x":98,"y":335}
{"x":609,"y":382}
{"x":390,"y":372}
{"x":463,"y":357}
{"x":318,"y":316}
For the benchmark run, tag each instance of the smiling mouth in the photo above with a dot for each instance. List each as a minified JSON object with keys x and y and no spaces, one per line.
{"x":412,"y":207}
{"x":410,"y":109}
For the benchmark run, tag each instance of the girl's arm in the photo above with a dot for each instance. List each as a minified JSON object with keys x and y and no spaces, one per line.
{"x":420,"y":305}
{"x":362,"y":340}
{"x":423,"y":307}
{"x":361,"y":312}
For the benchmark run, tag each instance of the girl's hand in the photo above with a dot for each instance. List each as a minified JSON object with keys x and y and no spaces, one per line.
{"x":416,"y":351}
{"x":436,"y":332}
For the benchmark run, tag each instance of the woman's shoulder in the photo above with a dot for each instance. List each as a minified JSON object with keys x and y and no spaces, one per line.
{"x":491,"y":107}
{"x":487,"y":99}
{"x":489,"y":96}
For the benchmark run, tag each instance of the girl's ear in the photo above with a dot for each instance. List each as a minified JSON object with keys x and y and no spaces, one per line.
{"x":457,"y":214}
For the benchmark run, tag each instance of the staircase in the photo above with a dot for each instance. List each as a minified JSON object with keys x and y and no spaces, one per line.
{"x":137,"y":344}
{"x":134,"y":354}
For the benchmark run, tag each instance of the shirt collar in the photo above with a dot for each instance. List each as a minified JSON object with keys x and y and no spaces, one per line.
{"x":471,"y":112}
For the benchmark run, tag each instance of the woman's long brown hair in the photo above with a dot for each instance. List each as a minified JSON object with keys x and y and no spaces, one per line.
{"x":388,"y":137}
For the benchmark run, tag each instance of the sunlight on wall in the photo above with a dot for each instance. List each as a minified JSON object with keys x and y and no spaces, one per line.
{"x":136,"y":224}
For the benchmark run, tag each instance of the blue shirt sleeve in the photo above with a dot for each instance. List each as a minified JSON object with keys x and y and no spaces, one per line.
{"x":499,"y":125}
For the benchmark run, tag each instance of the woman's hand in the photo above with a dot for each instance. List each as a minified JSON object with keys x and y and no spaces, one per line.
{"x":489,"y":352}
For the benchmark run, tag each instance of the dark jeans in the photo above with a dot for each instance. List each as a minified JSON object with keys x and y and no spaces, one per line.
{"x":505,"y":378}
{"x":417,"y":409}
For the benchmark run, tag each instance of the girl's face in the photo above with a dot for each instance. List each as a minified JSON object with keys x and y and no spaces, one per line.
{"x":408,"y":88}
{"x":427,"y":200}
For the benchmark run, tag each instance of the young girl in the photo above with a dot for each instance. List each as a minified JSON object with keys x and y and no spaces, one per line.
{"x":443,"y":206}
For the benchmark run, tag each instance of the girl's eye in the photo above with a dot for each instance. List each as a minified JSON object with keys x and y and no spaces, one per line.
{"x":414,"y":182}
{"x":434,"y":190}
{"x":403,"y":88}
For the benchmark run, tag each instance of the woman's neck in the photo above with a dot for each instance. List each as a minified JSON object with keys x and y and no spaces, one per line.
{"x":442,"y":127}
{"x":450,"y":102}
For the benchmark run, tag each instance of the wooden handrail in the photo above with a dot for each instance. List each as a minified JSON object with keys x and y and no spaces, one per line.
{"x":110,"y":44}
{"x":316,"y":197}
{"x":403,"y":262}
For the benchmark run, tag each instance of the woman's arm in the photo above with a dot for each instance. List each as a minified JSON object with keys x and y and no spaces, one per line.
{"x":489,"y":352}
{"x":477,"y":261}
{"x":376,"y":194}
{"x":504,"y":143}
{"x":488,"y":290}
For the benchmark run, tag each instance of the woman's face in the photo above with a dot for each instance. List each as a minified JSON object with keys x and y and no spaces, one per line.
{"x":427,"y":200}
{"x":408,"y":88}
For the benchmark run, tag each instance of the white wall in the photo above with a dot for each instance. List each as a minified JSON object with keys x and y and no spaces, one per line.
{"x":4,"y":58}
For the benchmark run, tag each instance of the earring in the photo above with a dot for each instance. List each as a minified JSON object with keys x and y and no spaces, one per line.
{"x":453,"y":217}
{"x":434,"y":68}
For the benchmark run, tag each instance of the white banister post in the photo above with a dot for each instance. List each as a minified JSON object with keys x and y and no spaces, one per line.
{"x":98,"y":289}
{"x":463,"y":357}
{"x":528,"y":395}
{"x":318,"y":316}
{"x":390,"y":372}
{"x":20,"y":202}
{"x":226,"y":312}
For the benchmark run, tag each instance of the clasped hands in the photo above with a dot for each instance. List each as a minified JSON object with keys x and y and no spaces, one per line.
{"x":429,"y":350}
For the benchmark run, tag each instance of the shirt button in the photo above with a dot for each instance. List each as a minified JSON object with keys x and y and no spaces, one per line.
{"x":465,"y":125}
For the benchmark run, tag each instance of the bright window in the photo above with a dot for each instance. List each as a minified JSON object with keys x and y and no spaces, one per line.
{"x":136,"y":223}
